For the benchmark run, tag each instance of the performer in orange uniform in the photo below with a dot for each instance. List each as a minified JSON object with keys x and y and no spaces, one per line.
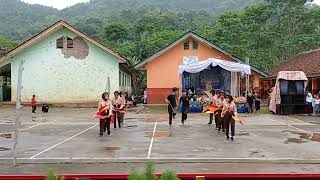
{"x":229,"y":110}
{"x":104,"y":114}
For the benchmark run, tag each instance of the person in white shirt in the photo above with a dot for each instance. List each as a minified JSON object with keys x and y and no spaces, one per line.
{"x":309,"y":98}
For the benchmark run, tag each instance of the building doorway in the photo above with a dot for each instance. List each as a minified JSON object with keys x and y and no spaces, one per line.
{"x":5,"y":83}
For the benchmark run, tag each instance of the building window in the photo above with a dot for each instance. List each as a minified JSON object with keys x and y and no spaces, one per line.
{"x":60,"y":43}
{"x":186,"y":45}
{"x":120,"y":78}
{"x":69,"y":43}
{"x":123,"y":79}
{"x":194,"y":45}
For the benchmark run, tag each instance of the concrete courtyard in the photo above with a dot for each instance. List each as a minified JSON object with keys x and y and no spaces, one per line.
{"x":70,"y":136}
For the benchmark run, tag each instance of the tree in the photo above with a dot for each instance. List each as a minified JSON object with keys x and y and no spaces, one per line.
{"x":6,"y":44}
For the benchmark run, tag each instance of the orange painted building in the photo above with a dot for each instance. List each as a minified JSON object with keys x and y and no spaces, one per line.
{"x":162,"y":67}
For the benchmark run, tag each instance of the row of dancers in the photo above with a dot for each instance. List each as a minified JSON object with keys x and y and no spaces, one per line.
{"x":222,"y":108}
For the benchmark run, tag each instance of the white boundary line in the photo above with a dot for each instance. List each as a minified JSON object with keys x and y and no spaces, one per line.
{"x":151,"y":143}
{"x":32,"y":157}
{"x":290,"y":126}
{"x":36,"y":125}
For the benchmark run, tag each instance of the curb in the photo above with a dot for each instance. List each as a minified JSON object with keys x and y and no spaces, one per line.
{"x":161,"y":160}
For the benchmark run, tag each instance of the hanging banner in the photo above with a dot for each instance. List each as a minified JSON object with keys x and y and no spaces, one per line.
{"x":190,"y":60}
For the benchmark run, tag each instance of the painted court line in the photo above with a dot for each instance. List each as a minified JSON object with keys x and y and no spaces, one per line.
{"x":32,"y":157}
{"x":36,"y":125}
{"x":290,"y":126}
{"x":151,"y":143}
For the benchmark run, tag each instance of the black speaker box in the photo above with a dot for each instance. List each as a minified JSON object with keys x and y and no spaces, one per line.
{"x":284,"y":84}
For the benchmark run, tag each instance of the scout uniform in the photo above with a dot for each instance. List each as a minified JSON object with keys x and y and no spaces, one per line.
{"x":229,"y":110}
{"x":104,"y":114}
{"x":118,"y":111}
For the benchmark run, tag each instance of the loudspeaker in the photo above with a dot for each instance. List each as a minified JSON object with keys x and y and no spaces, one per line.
{"x":300,"y":87}
{"x":299,"y":99}
{"x":286,"y":99}
{"x":284,"y":87}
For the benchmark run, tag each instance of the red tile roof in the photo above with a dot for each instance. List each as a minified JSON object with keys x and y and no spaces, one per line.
{"x":308,"y":62}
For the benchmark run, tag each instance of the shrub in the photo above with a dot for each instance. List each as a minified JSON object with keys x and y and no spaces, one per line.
{"x":169,"y":175}
{"x":150,"y":171}
{"x":52,"y":176}
{"x":149,"y":174}
{"x":134,"y":175}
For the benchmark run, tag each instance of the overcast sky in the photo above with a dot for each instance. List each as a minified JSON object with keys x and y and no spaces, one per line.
{"x":60,"y":4}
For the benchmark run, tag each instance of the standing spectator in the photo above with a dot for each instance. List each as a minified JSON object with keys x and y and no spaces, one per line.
{"x":33,"y":104}
{"x":316,"y":104}
{"x":257,"y":101}
{"x":250,"y":101}
{"x":145,"y":96}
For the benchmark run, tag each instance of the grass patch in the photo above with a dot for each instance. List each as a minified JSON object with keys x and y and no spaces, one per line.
{"x":263,"y":110}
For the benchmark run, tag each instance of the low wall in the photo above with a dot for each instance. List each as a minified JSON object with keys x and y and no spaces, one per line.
{"x":181,"y":176}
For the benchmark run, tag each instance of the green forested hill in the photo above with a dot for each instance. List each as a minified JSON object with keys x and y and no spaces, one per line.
{"x":19,"y":20}
{"x":268,"y":32}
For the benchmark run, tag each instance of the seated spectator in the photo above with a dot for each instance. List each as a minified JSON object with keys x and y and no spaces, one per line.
{"x":45,"y":108}
{"x":133,"y":98}
{"x":129,"y":100}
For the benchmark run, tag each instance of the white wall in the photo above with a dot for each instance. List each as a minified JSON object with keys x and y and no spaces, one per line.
{"x":53,"y":78}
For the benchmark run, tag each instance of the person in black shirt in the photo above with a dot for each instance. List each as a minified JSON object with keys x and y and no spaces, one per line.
{"x":257,"y":101}
{"x":172,"y":105}
{"x":45,"y":108}
{"x":250,"y":102}
{"x":185,"y":104}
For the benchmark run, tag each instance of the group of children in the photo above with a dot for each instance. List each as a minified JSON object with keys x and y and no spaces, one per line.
{"x":224,"y":114}
{"x":45,"y":107}
{"x":111,"y":110}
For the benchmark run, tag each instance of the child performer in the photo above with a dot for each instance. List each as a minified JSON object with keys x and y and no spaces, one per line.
{"x":104,"y":114}
{"x":185,"y":103}
{"x":213,"y":99}
{"x":118,"y":109}
{"x":220,"y":102}
{"x":172,"y":105}
{"x":229,"y":110}
{"x":34,"y":104}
